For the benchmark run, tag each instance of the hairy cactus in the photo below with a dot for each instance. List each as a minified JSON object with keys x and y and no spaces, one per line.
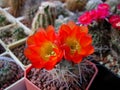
{"x":16,"y":7}
{"x":8,"y":70}
{"x":65,"y":76}
{"x":74,"y":5}
{"x":101,"y":36}
{"x":45,"y":16}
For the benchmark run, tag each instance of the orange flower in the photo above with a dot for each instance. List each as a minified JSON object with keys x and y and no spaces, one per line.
{"x":76,"y":42}
{"x":43,"y":49}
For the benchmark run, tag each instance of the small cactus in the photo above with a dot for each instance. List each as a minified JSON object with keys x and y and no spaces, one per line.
{"x":45,"y":16}
{"x":16,"y":7}
{"x":19,"y":33}
{"x":8,"y":70}
{"x":2,"y":20}
{"x":74,"y":5}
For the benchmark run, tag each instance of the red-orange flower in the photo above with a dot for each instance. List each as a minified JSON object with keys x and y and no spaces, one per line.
{"x":43,"y":49}
{"x":76,"y":42}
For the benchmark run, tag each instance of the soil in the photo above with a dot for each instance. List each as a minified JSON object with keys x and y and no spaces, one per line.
{"x":2,"y":49}
{"x":27,"y":23}
{"x":44,"y":80}
{"x":21,"y":55}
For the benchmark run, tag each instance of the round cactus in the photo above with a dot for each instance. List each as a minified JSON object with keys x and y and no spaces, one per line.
{"x":8,"y":70}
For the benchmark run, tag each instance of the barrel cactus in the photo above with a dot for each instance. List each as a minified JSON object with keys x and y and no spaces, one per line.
{"x":9,"y":71}
{"x":45,"y":16}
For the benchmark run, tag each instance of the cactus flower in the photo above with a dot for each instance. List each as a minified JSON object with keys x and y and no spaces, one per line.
{"x":75,"y":41}
{"x":85,"y":18}
{"x":43,"y":49}
{"x":115,"y":21}
{"x":103,"y":10}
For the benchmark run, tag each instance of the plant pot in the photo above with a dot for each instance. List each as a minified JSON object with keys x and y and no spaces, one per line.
{"x":105,"y":79}
{"x":30,"y":83}
{"x":19,"y":47}
{"x":19,"y":85}
{"x":10,"y":71}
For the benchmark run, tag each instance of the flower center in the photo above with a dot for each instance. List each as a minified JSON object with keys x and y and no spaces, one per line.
{"x":47,"y":50}
{"x":73,"y":44}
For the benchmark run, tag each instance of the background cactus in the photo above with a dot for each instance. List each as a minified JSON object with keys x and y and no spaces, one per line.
{"x":92,"y":4}
{"x":30,"y":9}
{"x":45,"y":16}
{"x":74,"y":5}
{"x":19,"y":33}
{"x":16,"y":7}
{"x":9,"y":71}
{"x":4,"y":3}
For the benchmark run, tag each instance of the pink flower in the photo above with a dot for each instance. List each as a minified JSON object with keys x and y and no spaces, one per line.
{"x":93,"y":14}
{"x":118,"y":6}
{"x":103,"y":6}
{"x":115,"y":21}
{"x":114,"y":18}
{"x":103,"y":10}
{"x":85,"y":18}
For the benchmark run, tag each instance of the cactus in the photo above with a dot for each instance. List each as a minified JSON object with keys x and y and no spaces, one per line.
{"x":74,"y":5}
{"x":115,"y":44}
{"x":101,"y":37}
{"x":92,"y":4}
{"x":31,"y":7}
{"x":19,"y":33}
{"x":65,"y":76}
{"x":8,"y":70}
{"x":2,"y":20}
{"x":45,"y":16}
{"x":16,"y":7}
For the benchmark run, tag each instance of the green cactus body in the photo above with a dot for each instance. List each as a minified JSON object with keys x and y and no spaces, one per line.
{"x":101,"y":37}
{"x":19,"y":33}
{"x":2,"y":20}
{"x":8,"y":70}
{"x":44,"y":17}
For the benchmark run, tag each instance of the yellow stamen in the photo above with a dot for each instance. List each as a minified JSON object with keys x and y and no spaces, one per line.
{"x":47,"y":50}
{"x":73,"y":44}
